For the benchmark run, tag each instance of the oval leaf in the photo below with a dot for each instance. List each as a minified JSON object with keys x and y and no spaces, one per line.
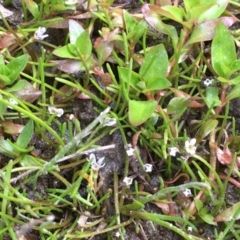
{"x":155,"y":63}
{"x":223,"y":50}
{"x":177,"y":103}
{"x":157,"y":84}
{"x":140,"y":111}
{"x":75,"y":30}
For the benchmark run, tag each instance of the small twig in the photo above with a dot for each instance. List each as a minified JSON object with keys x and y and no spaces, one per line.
{"x":20,"y":176}
{"x":14,"y":180}
{"x":74,"y":155}
{"x":51,"y":165}
{"x":24,"y":229}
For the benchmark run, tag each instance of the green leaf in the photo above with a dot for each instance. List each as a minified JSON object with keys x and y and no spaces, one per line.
{"x":228,"y":214}
{"x":138,"y":32}
{"x":17,"y":87}
{"x":177,"y":103}
{"x":140,"y":111}
{"x":136,"y":205}
{"x":235,"y":66}
{"x":129,"y":76}
{"x":75,"y":30}
{"x":4,"y":70}
{"x":3,"y":107}
{"x":214,"y":11}
{"x":84,"y":45}
{"x":212,"y":98}
{"x":198,"y":203}
{"x":236,"y":80}
{"x":155,"y":63}
{"x":206,"y":129}
{"x":223,"y":80}
{"x":234,"y":93}
{"x":196,"y":11}
{"x":150,"y":13}
{"x":208,"y":218}
{"x":156,"y":84}
{"x":26,"y":135}
{"x":190,"y":3}
{"x":202,"y":10}
{"x":134,"y":28}
{"x":28,"y":161}
{"x":32,"y":7}
{"x":130,"y":22}
{"x":64,"y":52}
{"x":4,"y":80}
{"x":172,"y":12}
{"x":16,"y":66}
{"x":104,"y":50}
{"x":6,"y":148}
{"x":203,"y":32}
{"x":223,"y":50}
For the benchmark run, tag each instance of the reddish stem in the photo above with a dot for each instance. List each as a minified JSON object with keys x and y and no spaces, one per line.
{"x":231,"y":180}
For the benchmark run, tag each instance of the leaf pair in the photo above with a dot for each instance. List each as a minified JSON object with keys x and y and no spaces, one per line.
{"x":151,"y":77}
{"x":10,"y":72}
{"x":78,"y":51}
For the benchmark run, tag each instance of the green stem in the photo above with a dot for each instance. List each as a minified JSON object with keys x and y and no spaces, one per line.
{"x":33,"y":117}
{"x":51,"y":165}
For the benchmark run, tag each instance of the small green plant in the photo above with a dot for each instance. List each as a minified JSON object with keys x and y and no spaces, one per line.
{"x":11,"y":71}
{"x":155,"y":86}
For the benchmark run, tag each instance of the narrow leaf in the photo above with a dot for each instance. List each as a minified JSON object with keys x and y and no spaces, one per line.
{"x":26,"y":135}
{"x":16,"y":66}
{"x":206,"y":129}
{"x":32,"y":7}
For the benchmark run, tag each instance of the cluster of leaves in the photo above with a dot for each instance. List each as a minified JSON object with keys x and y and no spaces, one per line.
{"x":150,"y":67}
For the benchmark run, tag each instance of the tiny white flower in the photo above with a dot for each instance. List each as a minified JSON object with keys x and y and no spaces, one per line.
{"x":190,"y":229}
{"x":127,"y":181}
{"x":207,"y":82}
{"x":190,"y":146}
{"x":117,"y":234}
{"x":96,"y":165}
{"x":187,"y":193}
{"x":71,"y":117}
{"x":50,"y":218}
{"x":148,"y":167}
{"x":12,"y":101}
{"x":53,"y":110}
{"x":109,"y":122}
{"x":39,"y":34}
{"x":173,"y":151}
{"x":129,"y":150}
{"x":70,"y":2}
